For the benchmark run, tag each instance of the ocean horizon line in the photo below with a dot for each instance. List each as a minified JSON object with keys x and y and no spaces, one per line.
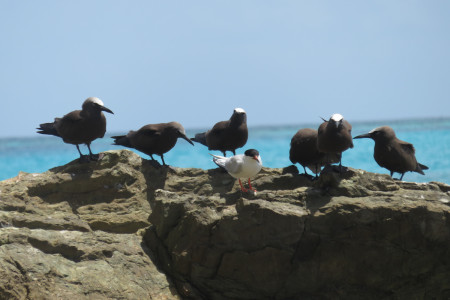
{"x":263,"y":126}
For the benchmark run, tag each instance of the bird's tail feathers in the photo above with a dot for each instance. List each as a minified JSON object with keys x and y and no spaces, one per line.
{"x":122,"y":140}
{"x":216,"y":156}
{"x":219,"y":160}
{"x":423,"y":167}
{"x":420,"y":168}
{"x":47,"y":128}
{"x":200,"y":138}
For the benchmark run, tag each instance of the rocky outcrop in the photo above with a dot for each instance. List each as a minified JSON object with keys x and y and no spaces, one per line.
{"x":124,"y":228}
{"x":75,"y":232}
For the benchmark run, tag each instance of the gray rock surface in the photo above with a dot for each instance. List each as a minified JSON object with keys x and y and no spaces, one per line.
{"x":123,"y":228}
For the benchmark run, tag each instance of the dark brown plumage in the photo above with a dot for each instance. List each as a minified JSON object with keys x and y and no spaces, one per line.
{"x":80,"y":126}
{"x":226,"y":135}
{"x":305,"y":152}
{"x":393,"y":154}
{"x":334,"y":136}
{"x":153,"y":138}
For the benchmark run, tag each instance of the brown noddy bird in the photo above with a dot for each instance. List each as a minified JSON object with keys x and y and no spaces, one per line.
{"x":334,"y":137}
{"x":393,"y":154}
{"x":305,"y":152}
{"x":80,"y":126}
{"x":153,"y":138}
{"x":226,"y":135}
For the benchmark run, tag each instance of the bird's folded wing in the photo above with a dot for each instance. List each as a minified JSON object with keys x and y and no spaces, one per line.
{"x":219,"y":127}
{"x":68,"y":123}
{"x":407,"y":147}
{"x":73,"y":116}
{"x":234,"y":164}
{"x":149,"y":132}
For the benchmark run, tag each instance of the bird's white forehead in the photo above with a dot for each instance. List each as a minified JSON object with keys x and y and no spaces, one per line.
{"x":95,"y":100}
{"x":375,"y":130}
{"x":239,"y":110}
{"x":337,"y":117}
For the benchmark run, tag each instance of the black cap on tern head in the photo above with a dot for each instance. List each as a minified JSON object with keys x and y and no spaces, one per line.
{"x":80,"y":126}
{"x":251,"y":152}
{"x":393,"y":154}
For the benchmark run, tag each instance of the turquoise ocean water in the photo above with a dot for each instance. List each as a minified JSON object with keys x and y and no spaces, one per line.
{"x":431,"y":138}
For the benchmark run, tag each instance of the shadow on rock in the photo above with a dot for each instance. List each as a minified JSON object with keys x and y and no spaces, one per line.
{"x":155,"y":176}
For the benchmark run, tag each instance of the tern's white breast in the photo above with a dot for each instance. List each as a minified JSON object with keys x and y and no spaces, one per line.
{"x":242,"y":166}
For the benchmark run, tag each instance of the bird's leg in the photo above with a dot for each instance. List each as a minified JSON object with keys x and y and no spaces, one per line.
{"x":83,"y":158}
{"x":234,"y":152}
{"x":92,"y":156}
{"x":306,"y":173}
{"x":162,"y":158}
{"x":392,"y":173}
{"x":242,"y":188}
{"x":78,"y":148}
{"x":154,"y":162}
{"x":250,"y":186}
{"x":224,"y":153}
{"x":401,"y":177}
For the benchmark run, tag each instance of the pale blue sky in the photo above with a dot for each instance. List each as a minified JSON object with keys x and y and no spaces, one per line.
{"x":284,"y":62}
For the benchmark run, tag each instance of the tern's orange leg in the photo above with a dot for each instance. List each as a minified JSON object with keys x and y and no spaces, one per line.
{"x":250,"y":186}
{"x":242,"y":188}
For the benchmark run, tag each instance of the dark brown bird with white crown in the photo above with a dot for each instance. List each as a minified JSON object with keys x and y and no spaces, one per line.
{"x":392,"y":153}
{"x":226,"y":135}
{"x":334,"y":137}
{"x":80,"y":126}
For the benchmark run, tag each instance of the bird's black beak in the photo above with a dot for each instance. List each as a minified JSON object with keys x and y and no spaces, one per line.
{"x":106,"y":109}
{"x":362,"y":136}
{"x":183,"y":136}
